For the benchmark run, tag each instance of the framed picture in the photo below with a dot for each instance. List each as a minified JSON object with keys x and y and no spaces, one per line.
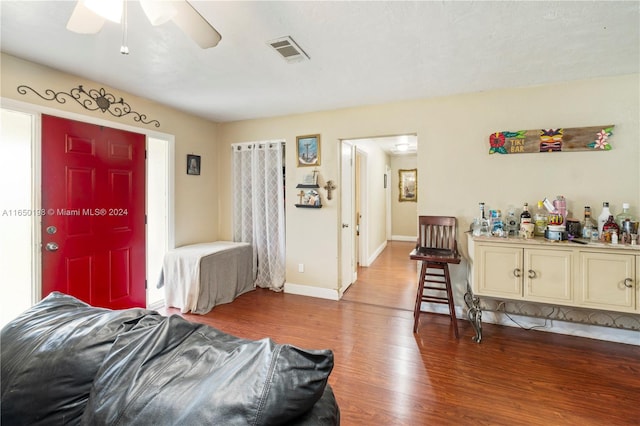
{"x":310,"y":179}
{"x":308,"y":148}
{"x":309,"y":198}
{"x":193,"y":164}
{"x":408,"y":185}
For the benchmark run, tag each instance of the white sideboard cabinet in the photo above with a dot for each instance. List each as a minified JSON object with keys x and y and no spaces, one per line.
{"x":595,"y":276}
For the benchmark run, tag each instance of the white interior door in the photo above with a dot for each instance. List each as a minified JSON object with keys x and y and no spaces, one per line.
{"x":347,"y":254}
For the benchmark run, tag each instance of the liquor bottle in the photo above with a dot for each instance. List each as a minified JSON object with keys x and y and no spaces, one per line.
{"x":609,"y":227}
{"x":624,"y":215}
{"x":480,"y":225}
{"x":541,"y":219}
{"x":588,"y":225}
{"x":604,"y":215}
{"x":511,"y":225}
{"x":485,"y":229}
{"x":525,"y":216}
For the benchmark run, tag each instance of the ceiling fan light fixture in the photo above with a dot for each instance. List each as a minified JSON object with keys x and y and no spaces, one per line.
{"x":158,"y":12}
{"x":108,"y":9}
{"x":89,"y":16}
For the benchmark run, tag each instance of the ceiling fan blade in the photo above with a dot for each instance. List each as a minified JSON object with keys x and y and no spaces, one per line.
{"x":158,"y":12}
{"x":84,"y":21}
{"x":194,"y":25}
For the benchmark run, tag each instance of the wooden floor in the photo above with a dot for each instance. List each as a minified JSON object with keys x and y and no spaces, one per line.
{"x":386,"y":375}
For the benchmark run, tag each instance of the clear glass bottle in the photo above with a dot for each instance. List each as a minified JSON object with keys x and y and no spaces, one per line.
{"x":541,"y":219}
{"x":588,"y":225}
{"x":525,"y":216}
{"x":485,"y":228}
{"x":480,"y":225}
{"x":604,"y":215}
{"x":620,"y":218}
{"x":511,"y":224}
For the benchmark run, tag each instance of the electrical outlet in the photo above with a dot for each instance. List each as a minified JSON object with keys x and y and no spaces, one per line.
{"x":300,"y":267}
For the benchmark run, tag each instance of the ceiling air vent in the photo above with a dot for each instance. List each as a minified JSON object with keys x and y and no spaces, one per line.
{"x":288,"y":49}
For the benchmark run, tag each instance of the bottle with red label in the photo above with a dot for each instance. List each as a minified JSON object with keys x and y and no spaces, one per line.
{"x":609,"y":228}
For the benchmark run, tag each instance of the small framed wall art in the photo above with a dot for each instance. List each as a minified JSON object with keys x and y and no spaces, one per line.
{"x":408,"y":184}
{"x":193,"y":164}
{"x":308,"y":149}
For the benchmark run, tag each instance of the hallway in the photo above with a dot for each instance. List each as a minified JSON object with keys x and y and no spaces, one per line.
{"x":390,"y":281}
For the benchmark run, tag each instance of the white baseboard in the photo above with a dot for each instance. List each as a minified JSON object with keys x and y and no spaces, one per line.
{"x":608,"y":334}
{"x":376,"y":253}
{"x":411,"y":238}
{"x":307,"y":290}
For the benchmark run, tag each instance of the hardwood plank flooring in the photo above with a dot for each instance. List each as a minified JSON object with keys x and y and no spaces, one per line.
{"x":386,"y":375}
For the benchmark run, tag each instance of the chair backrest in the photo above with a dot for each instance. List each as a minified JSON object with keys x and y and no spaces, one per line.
{"x":437,"y":232}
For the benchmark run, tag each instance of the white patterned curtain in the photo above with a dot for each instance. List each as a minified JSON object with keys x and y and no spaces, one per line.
{"x":258,"y":208}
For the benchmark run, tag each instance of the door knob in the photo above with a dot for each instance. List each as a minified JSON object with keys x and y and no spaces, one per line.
{"x":345,"y":225}
{"x":52,"y":246}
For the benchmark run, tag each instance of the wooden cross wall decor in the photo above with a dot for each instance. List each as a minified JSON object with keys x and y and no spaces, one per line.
{"x":329,"y":187}
{"x":551,"y":140}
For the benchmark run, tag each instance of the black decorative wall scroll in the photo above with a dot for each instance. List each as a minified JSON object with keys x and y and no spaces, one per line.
{"x":92,"y":100}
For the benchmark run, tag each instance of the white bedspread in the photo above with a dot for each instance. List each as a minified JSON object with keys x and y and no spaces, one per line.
{"x":198,"y":277}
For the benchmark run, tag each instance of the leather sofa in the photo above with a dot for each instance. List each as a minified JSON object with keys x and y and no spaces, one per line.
{"x":66,"y":362}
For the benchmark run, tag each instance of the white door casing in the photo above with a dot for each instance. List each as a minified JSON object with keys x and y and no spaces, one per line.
{"x":348,"y":272}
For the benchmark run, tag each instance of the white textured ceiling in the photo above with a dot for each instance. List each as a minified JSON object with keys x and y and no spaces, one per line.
{"x":361,"y":52}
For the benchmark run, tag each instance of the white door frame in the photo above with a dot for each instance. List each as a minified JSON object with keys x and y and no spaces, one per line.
{"x":363,"y":238}
{"x":348,"y":270}
{"x":388,"y":197}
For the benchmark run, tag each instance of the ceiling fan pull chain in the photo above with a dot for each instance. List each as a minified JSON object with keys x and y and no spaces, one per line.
{"x":124,"y":49}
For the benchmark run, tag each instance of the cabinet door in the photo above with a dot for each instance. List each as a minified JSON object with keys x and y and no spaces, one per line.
{"x":548,"y":276}
{"x":608,"y":281}
{"x":498,"y":271}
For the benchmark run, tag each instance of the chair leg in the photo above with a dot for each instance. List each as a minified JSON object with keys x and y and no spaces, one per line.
{"x":452,"y":306}
{"x":447,"y":288}
{"x":417,"y":307}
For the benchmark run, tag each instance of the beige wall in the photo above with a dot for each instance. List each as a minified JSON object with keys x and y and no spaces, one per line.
{"x":196,"y":198}
{"x":404,"y":215}
{"x":455,"y":169}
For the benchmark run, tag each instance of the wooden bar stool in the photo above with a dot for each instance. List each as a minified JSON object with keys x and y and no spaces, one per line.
{"x":436,"y":249}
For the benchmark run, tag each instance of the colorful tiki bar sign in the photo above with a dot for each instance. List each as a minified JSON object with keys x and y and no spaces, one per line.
{"x":551,"y":140}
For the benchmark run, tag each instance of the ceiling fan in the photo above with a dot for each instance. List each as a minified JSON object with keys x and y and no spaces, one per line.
{"x":89,"y":16}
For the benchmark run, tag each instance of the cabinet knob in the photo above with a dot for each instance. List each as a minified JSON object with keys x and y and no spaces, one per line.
{"x":516,"y":272}
{"x":532,"y":273}
{"x":628,"y":282}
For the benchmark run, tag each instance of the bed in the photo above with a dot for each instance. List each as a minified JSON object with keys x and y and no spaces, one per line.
{"x":198,"y":277}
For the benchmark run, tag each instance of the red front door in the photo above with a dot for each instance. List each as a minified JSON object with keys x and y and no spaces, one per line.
{"x":93,"y":193}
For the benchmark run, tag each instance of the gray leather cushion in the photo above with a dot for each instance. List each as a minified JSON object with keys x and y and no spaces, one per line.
{"x":50,"y":356}
{"x":184,"y":373}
